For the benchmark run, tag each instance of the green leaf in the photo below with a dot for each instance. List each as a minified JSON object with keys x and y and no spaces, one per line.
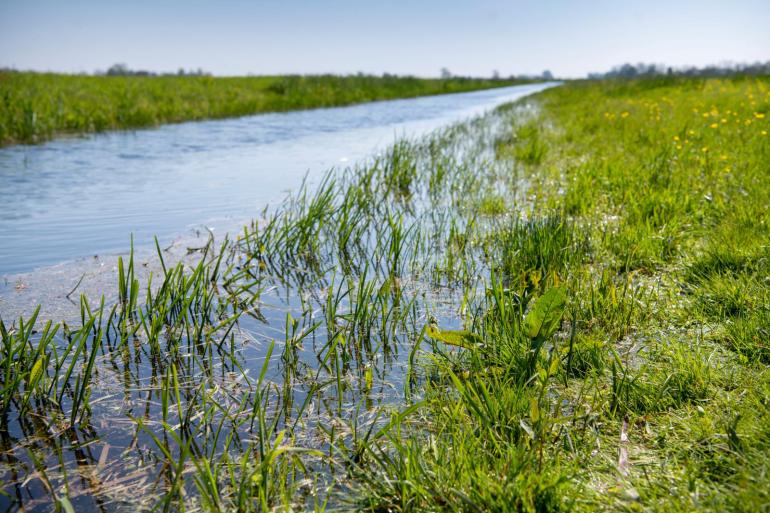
{"x":459,"y":338}
{"x":526,"y":427}
{"x":534,"y":409}
{"x":37,"y":371}
{"x":65,"y":503}
{"x":544,"y":318}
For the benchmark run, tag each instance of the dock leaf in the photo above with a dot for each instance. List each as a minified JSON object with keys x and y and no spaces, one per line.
{"x":543,"y":319}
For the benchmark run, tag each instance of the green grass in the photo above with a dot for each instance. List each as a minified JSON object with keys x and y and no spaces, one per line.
{"x":561,"y":306}
{"x":38,"y":106}
{"x":649,"y":204}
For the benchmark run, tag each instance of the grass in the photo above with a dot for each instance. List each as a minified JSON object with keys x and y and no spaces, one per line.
{"x":35,"y":107}
{"x":560,"y":306}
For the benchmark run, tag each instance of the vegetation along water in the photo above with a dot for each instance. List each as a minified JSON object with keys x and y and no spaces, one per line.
{"x":563,"y":305}
{"x":37,"y":106}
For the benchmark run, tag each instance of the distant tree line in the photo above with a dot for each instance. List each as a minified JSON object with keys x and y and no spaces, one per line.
{"x":545,"y":75}
{"x":121,"y":70}
{"x":654,"y":70}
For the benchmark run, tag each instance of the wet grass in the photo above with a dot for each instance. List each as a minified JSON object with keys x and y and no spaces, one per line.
{"x":560,"y":306}
{"x":35,"y":107}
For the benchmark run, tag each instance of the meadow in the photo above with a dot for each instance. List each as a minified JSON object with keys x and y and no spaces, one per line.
{"x":35,"y":107}
{"x":563,"y":305}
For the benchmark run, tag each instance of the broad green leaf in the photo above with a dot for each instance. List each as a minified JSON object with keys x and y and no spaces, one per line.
{"x":459,"y":338}
{"x":36,"y":372}
{"x":544,"y":318}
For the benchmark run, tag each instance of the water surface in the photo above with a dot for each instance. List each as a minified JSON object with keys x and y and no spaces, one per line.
{"x":74,"y":198}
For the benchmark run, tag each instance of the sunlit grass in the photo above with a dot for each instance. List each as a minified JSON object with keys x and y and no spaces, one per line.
{"x":561,"y":306}
{"x":37,"y":106}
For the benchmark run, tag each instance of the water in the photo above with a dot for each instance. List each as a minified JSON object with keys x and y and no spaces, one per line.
{"x":73,"y":198}
{"x":345,"y":345}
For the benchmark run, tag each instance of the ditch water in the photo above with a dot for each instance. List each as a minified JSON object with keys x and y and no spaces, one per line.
{"x":214,"y":367}
{"x":73,"y":198}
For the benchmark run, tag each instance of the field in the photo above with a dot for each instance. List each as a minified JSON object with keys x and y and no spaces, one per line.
{"x":35,"y":107}
{"x":563,"y":305}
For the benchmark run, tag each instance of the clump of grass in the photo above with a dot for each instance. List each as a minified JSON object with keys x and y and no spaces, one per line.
{"x":530,"y":147}
{"x":584,"y":355}
{"x":492,"y":205}
{"x":749,"y":336}
{"x":532,"y":249}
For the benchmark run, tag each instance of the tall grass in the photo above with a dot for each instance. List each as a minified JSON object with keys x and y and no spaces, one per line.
{"x":38,"y":106}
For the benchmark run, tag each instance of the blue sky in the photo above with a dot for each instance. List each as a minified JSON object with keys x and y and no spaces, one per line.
{"x":475,"y":37}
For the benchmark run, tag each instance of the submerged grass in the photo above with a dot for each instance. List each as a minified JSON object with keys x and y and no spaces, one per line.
{"x":38,"y":106}
{"x":561,"y":306}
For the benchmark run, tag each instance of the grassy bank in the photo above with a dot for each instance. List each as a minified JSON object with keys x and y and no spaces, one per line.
{"x":649,"y":211}
{"x":37,"y":106}
{"x":561,"y":306}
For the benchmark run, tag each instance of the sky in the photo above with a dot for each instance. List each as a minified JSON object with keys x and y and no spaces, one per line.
{"x":417,"y":37}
